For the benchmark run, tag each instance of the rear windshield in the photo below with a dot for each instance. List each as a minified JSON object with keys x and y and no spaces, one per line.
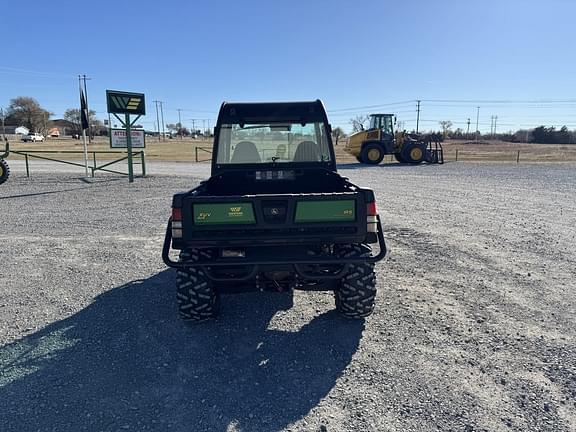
{"x":272,"y":142}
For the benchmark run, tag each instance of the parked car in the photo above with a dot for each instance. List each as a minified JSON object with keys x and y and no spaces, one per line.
{"x":33,"y":137}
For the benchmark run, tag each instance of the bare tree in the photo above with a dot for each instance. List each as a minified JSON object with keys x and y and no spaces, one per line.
{"x":445,"y":125}
{"x":358,"y":122}
{"x":338,"y":133}
{"x":73,"y":116}
{"x":26,"y":111}
{"x":178,"y":129}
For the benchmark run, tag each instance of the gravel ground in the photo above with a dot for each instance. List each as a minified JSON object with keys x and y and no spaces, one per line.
{"x":474,"y":328}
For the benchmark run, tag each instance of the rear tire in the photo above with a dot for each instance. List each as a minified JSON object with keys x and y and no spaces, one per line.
{"x":197,"y":299}
{"x":355,"y":295}
{"x":4,"y":171}
{"x":372,"y":154}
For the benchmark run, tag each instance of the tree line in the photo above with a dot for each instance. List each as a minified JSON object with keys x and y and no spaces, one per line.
{"x":26,"y":111}
{"x":540,"y":135}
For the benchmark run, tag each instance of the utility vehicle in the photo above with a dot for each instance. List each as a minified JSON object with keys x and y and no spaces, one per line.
{"x":274,"y":215}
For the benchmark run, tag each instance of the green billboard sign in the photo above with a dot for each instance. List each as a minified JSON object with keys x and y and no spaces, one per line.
{"x":120,"y":102}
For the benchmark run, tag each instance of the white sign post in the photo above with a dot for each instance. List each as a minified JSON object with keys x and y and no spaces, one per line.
{"x":118,"y":138}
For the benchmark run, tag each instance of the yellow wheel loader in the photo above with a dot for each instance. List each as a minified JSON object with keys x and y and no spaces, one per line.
{"x":371,"y":145}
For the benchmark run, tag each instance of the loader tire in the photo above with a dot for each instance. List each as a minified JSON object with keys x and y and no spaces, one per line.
{"x":414,"y":153}
{"x":398,"y":157}
{"x":372,"y":154}
{"x":197,"y":298}
{"x":355,"y":294}
{"x":4,"y":171}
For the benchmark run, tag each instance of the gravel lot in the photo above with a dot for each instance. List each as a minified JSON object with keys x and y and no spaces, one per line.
{"x":474,"y":329}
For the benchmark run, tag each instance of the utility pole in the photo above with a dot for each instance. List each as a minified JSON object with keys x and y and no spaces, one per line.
{"x":3,"y":125}
{"x":477,"y":118}
{"x":179,"y":122}
{"x":491,"y":126}
{"x":84,"y":78}
{"x":418,"y":116}
{"x":157,"y":119}
{"x":209,"y":129}
{"x":468,"y":128}
{"x":495,"y":120}
{"x":162,"y":114}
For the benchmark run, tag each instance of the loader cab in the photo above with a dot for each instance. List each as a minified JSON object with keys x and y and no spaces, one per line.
{"x":383,"y":122}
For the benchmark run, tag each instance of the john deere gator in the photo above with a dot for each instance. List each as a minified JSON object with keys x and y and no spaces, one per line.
{"x":275,"y":215}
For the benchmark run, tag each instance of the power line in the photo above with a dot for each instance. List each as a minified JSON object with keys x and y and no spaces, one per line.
{"x":192,"y":110}
{"x":371,"y":106}
{"x":502,"y":101}
{"x":366,"y":113}
{"x":18,"y":71}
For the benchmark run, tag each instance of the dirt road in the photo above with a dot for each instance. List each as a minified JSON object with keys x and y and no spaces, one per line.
{"x":475,"y":327}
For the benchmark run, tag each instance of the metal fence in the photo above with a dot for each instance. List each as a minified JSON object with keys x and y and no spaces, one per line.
{"x":203,"y":150}
{"x":105,"y":167}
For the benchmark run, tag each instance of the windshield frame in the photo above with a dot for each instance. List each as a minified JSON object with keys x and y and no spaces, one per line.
{"x":318,"y":116}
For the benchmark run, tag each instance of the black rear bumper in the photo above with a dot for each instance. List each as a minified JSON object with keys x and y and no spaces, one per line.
{"x":297,"y":261}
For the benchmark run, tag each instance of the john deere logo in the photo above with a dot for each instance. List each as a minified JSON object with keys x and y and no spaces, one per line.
{"x":125,"y":103}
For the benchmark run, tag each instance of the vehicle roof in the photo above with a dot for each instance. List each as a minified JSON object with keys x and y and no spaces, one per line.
{"x":253,"y":112}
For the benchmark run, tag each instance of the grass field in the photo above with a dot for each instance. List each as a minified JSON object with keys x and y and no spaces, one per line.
{"x":185,"y":150}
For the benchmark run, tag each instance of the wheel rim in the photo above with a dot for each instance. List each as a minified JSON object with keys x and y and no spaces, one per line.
{"x":416,"y":153}
{"x":373,"y":154}
{"x":1,"y":171}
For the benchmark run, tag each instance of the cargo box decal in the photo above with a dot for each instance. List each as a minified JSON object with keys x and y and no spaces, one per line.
{"x":325,"y":211}
{"x":223,"y":214}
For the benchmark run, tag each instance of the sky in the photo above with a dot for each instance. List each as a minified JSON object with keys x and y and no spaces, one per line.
{"x":512,"y":58}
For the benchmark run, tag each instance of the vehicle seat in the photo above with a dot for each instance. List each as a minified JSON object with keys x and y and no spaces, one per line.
{"x":245,"y":152}
{"x":307,"y":151}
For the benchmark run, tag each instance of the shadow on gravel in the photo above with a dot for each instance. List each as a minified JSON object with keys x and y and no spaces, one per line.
{"x":383,"y":165}
{"x":91,"y":182}
{"x":126,"y":362}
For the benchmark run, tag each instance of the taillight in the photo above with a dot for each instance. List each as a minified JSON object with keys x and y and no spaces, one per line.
{"x":371,"y":209}
{"x":371,"y":217}
{"x":176,"y":222}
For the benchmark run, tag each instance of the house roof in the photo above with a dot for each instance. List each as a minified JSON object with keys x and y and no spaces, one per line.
{"x":62,"y":123}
